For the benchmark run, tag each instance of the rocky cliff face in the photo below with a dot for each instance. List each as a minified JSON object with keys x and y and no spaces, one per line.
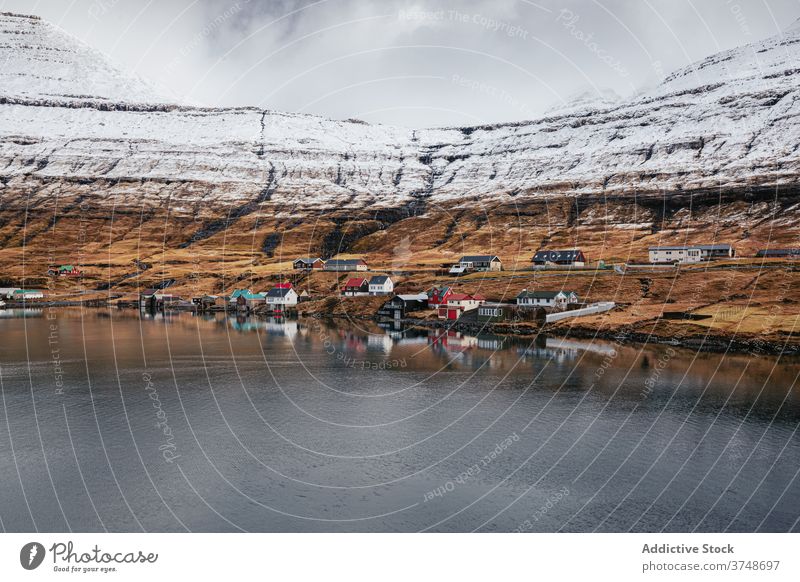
{"x":76,"y":133}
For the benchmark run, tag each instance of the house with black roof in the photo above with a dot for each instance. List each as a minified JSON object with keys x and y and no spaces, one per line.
{"x":281,"y":296}
{"x":345,"y":265}
{"x":571,"y":258}
{"x":546,"y":299}
{"x":308,"y":264}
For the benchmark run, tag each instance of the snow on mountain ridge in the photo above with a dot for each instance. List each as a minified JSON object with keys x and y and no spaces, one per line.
{"x":42,"y":61}
{"x":732,"y":121}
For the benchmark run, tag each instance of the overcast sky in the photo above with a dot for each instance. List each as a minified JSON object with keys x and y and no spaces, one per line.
{"x":409,"y":62}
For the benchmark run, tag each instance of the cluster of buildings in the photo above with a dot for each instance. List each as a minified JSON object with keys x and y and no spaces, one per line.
{"x":280,"y":298}
{"x":64,"y":271}
{"x":450,"y":305}
{"x":335,"y":265}
{"x":360,"y":286}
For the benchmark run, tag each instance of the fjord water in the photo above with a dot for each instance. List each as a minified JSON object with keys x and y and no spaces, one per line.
{"x":118,"y":421}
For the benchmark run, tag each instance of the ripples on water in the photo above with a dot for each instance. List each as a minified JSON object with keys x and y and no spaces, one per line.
{"x":117,"y":421}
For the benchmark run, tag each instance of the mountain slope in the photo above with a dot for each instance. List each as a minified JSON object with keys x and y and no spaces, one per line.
{"x":730,"y":121}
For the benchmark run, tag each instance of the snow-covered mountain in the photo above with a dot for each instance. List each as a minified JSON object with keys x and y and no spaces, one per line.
{"x":67,"y":116}
{"x":40,"y":61}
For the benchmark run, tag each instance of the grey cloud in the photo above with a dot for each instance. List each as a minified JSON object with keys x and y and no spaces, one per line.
{"x":410,"y":62}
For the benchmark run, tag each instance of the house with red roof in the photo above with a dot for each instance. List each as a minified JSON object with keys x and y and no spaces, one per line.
{"x":355,"y":287}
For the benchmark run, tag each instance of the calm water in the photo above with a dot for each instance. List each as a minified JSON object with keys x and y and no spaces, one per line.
{"x":115,"y":421}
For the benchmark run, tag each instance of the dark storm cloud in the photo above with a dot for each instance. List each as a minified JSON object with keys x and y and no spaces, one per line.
{"x":410,"y":62}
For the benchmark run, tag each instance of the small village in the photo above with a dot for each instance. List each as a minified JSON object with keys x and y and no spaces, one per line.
{"x":441,"y":304}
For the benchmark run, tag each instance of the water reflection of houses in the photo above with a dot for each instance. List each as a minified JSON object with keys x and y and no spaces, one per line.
{"x":271,"y":326}
{"x":380,"y":341}
{"x":282,"y":327}
{"x":451,"y":340}
{"x":562,"y":350}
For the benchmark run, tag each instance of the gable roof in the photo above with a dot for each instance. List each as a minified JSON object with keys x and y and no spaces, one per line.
{"x":719,"y":247}
{"x":379,"y":280}
{"x":478,"y":259}
{"x":249,"y":295}
{"x":278,"y":292}
{"x":465,"y":297}
{"x":558,"y":256}
{"x":344,"y":262}
{"x":542,"y":294}
{"x":356,"y":282}
{"x":413,"y":297}
{"x":238,"y":292}
{"x":715,"y":247}
{"x":443,"y":290}
{"x":308,"y":260}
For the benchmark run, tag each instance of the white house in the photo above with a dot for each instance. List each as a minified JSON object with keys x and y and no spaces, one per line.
{"x":381,"y":285}
{"x":548,"y":299}
{"x":458,"y":304}
{"x":281,"y":297}
{"x":470,"y":263}
{"x":7,"y":292}
{"x":690,"y":253}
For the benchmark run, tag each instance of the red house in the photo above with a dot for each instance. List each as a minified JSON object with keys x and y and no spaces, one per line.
{"x":355,"y":287}
{"x":283,"y":286}
{"x":65,"y":271}
{"x":438,"y":296}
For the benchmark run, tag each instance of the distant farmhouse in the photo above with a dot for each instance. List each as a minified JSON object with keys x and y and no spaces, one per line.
{"x":308,"y":264}
{"x":17,"y":294}
{"x":558,"y":300}
{"x":690,"y":253}
{"x":345,"y":265}
{"x":479,"y":263}
{"x":381,"y":285}
{"x":572,"y":258}
{"x":778,"y":254}
{"x":64,"y":271}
